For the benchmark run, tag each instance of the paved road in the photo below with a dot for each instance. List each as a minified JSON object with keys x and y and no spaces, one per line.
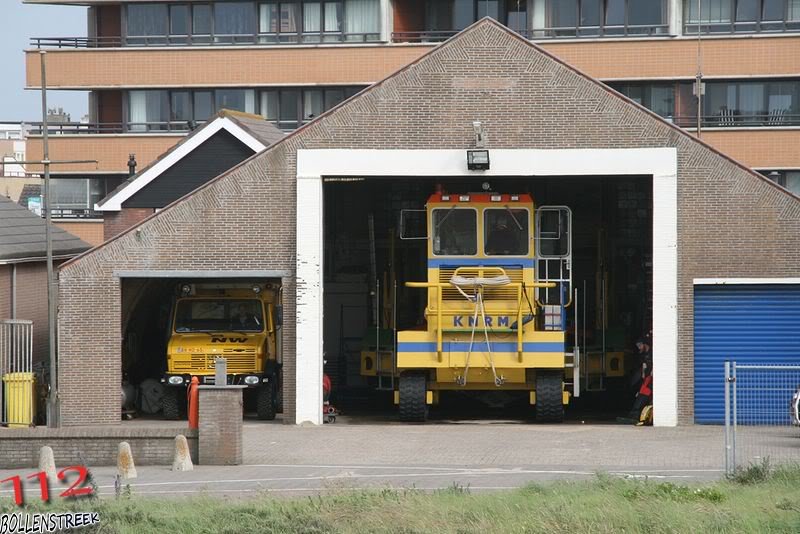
{"x":483,"y":455}
{"x":486,"y":443}
{"x":289,"y":480}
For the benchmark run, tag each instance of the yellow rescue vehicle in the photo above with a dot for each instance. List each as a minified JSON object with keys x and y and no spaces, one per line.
{"x":497,"y":294}
{"x":236,"y":322}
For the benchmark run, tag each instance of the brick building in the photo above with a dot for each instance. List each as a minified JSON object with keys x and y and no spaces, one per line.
{"x":23,"y":268}
{"x":703,"y":217}
{"x":153,"y":69}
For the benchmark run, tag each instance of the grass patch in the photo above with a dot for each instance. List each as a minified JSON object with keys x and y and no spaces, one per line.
{"x":766,"y":500}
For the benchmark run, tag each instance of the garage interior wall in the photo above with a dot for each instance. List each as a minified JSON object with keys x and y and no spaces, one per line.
{"x":730,"y":222}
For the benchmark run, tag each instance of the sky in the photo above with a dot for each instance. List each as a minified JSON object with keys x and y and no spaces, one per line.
{"x":18,"y":23}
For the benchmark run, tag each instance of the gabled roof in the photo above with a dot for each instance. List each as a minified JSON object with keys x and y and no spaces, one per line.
{"x":397,"y":90}
{"x":252,"y":130}
{"x":22,"y":236}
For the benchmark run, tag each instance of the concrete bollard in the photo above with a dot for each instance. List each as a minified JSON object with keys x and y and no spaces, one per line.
{"x":125,"y":466}
{"x":183,"y":457}
{"x":47,"y":463}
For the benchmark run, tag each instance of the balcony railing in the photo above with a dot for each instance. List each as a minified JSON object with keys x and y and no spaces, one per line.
{"x":75,"y":213}
{"x":77,"y":128}
{"x":203,"y":40}
{"x":586,"y":32}
{"x":76,"y":42}
{"x":727,"y":28}
{"x":733,"y":119}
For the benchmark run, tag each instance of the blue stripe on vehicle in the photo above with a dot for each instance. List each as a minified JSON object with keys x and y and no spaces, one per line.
{"x":480,"y":262}
{"x":463,"y":346}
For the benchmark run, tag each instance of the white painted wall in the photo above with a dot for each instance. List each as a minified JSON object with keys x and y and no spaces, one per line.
{"x":660,"y":163}
{"x":310,"y":242}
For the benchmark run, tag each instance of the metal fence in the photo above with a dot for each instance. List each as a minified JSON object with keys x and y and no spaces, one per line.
{"x":761,"y":422}
{"x":16,"y":373}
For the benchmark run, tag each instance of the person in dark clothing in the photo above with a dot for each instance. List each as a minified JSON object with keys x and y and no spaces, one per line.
{"x":645,"y":394}
{"x":502,"y":240}
{"x":642,"y":382}
{"x":244,"y":320}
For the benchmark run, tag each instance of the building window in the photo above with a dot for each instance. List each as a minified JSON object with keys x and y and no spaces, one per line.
{"x":289,"y":108}
{"x":234,"y":22}
{"x":726,"y":103}
{"x":201,"y":23}
{"x":241,"y":22}
{"x":598,"y":18}
{"x":181,"y":110}
{"x":788,"y":179}
{"x":147,"y":24}
{"x":445,"y":17}
{"x":148,"y":110}
{"x":236,"y":99}
{"x":746,"y":16}
{"x":76,"y":197}
{"x":762,"y":103}
{"x":659,"y":98}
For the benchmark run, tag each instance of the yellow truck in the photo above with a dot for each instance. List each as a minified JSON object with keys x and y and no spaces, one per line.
{"x":497,"y":293}
{"x":236,"y":322}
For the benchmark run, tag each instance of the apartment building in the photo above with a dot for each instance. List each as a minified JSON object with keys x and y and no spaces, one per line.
{"x":153,"y":71}
{"x":12,"y":150}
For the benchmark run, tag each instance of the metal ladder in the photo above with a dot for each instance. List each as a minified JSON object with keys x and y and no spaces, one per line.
{"x":572,"y":360}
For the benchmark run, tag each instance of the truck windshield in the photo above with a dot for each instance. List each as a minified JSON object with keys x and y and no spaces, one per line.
{"x":454,"y":231}
{"x":219,"y":315}
{"x":506,"y":232}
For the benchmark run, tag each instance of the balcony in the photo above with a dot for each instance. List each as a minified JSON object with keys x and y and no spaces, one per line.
{"x":758,"y":148}
{"x":111,"y":150}
{"x":217,"y":40}
{"x":718,"y":17}
{"x":566,"y":32}
{"x":109,"y":68}
{"x":91,"y":128}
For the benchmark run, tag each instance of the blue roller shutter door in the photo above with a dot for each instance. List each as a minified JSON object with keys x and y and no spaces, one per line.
{"x":749,"y":324}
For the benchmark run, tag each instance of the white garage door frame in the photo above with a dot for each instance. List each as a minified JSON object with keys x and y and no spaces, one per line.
{"x":313,"y":165}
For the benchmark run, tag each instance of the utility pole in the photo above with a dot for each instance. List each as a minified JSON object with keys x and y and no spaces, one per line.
{"x":53,"y":408}
{"x":53,"y":404}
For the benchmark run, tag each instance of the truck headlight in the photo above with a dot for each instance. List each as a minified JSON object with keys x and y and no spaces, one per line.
{"x":251,"y":380}
{"x":175,"y":380}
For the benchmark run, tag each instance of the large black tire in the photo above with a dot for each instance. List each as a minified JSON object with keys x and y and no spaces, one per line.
{"x":549,"y":397}
{"x":413,"y":407}
{"x":265,"y":403}
{"x":171,"y":403}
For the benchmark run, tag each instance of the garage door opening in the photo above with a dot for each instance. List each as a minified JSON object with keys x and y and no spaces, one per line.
{"x":174,"y":329}
{"x":366,"y":301}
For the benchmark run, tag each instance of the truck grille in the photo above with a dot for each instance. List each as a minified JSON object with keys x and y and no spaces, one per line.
{"x":490,"y":293}
{"x":239,"y":361}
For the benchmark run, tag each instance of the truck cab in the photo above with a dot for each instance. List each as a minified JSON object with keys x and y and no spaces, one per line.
{"x":237,"y":323}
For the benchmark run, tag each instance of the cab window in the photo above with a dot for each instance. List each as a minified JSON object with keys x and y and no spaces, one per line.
{"x":505,"y":232}
{"x":215,"y":315}
{"x":454,"y":231}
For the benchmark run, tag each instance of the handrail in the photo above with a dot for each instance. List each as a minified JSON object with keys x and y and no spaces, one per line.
{"x":439,"y":308}
{"x":72,"y":128}
{"x":733,"y":27}
{"x":233,"y":39}
{"x":554,"y":32}
{"x":734,"y":119}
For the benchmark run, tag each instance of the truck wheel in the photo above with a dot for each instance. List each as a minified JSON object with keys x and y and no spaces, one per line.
{"x":170,"y":403}
{"x":265,"y":404}
{"x":413,"y":407}
{"x":549,"y":397}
